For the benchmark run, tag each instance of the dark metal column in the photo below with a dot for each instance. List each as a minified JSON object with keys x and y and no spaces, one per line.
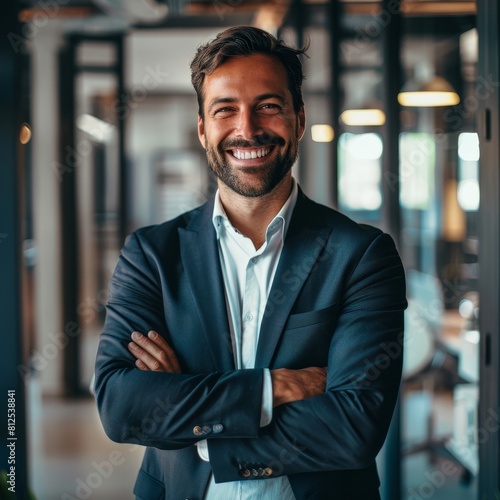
{"x":296,"y":19}
{"x":391,"y":70}
{"x":123,"y":228}
{"x":333,"y":22}
{"x":488,"y":24}
{"x":69,"y":160}
{"x":13,"y":444}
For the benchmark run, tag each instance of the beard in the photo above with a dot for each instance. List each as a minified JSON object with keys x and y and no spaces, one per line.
{"x":269,"y":175}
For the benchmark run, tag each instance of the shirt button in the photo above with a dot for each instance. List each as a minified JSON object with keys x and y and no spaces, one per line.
{"x":248,"y":317}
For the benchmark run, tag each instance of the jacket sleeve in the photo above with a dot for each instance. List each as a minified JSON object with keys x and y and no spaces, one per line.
{"x":345,"y":427}
{"x":163,"y":410}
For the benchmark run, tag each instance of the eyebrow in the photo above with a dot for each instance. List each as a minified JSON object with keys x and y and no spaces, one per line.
{"x":261,"y":97}
{"x":220,"y":100}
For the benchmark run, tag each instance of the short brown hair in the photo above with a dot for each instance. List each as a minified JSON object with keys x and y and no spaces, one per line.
{"x":245,"y":41}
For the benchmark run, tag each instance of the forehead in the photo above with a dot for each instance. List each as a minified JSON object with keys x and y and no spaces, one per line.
{"x":246,"y":75}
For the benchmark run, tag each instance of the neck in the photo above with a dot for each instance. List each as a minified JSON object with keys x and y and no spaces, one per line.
{"x":251,"y":216}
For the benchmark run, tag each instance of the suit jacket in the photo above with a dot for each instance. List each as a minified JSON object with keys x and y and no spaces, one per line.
{"x":337,"y":300}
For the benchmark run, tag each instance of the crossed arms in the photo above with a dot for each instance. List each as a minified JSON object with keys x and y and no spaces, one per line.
{"x":331,"y":422}
{"x":153,"y":353}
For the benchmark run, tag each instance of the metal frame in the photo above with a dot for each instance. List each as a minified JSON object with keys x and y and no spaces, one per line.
{"x":11,"y":234}
{"x":334,"y":13}
{"x":68,"y":71}
{"x":488,"y":22}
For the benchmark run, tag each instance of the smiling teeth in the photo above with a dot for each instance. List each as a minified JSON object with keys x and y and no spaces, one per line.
{"x":248,"y":155}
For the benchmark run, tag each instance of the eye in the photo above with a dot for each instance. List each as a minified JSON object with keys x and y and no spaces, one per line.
{"x":270,"y":108}
{"x":223,"y":111}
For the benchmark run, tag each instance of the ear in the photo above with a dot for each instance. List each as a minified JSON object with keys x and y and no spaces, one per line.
{"x":201,"y":131}
{"x":301,"y":123}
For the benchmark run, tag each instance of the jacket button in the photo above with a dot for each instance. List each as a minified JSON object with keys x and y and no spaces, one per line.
{"x":268,"y":471}
{"x":206,"y":429}
{"x":244,"y":472}
{"x":217,"y":428}
{"x":197,"y":430}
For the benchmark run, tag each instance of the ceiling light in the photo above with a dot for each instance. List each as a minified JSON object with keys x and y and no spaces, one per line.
{"x":436,"y":92}
{"x":322,"y":133}
{"x":363,"y":117}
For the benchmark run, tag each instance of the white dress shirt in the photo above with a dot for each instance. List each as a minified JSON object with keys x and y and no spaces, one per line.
{"x":248,"y":275}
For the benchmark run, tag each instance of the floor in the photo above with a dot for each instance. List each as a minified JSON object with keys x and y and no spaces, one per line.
{"x":435,"y":475}
{"x":71,"y":457}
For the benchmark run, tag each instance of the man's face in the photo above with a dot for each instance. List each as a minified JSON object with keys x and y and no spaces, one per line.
{"x":250,"y":130}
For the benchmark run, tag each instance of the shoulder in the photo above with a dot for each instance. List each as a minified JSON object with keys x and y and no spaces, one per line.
{"x":349,"y":241}
{"x":163,"y":238}
{"x":316,"y":215}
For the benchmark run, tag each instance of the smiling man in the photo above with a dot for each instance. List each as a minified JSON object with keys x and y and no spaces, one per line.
{"x":246,"y":342}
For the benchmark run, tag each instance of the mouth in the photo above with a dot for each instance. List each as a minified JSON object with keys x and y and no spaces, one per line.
{"x":250,"y":153}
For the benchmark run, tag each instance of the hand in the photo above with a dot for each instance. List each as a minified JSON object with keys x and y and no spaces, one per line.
{"x":295,"y":385}
{"x":153,"y":353}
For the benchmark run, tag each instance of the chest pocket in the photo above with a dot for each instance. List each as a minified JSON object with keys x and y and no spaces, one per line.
{"x":306,"y":339}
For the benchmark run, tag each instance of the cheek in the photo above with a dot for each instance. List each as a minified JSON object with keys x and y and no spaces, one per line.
{"x":214,"y":135}
{"x":283,"y":126}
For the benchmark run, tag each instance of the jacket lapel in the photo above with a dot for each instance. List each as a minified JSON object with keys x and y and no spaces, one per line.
{"x":304,"y":242}
{"x":200,"y":257}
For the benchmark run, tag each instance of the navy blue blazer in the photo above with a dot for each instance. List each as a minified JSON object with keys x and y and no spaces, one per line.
{"x":337,"y":300}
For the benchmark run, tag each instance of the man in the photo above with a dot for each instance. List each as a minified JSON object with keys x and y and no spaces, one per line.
{"x":265,"y":355}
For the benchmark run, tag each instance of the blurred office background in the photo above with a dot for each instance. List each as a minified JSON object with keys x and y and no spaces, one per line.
{"x":99,"y":138}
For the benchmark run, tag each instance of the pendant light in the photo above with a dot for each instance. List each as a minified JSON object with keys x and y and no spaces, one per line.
{"x":435,"y":92}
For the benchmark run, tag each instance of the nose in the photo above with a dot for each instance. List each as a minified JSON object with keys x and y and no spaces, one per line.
{"x":248,"y":124}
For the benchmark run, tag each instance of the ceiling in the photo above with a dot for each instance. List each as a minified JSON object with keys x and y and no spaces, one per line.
{"x":456,"y":16}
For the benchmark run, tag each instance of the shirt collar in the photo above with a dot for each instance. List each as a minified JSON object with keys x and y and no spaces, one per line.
{"x":285,"y":214}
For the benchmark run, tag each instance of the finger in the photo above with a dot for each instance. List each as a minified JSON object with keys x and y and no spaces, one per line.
{"x":149,"y":361}
{"x":148,"y":345}
{"x":158,"y":359}
{"x":141,"y":365}
{"x":163,"y":345}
